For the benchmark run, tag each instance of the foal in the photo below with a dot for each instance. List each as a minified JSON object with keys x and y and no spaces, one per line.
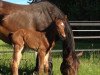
{"x":36,"y":41}
{"x":33,"y":39}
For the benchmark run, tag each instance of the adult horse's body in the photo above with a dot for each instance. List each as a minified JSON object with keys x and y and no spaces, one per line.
{"x":38,"y":16}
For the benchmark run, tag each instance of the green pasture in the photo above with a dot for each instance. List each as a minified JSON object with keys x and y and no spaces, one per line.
{"x":88,"y":66}
{"x":89,"y":62}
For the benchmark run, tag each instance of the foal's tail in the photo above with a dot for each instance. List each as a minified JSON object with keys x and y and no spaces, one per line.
{"x":70,"y":62}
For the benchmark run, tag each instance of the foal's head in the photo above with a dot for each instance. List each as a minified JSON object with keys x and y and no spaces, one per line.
{"x":60,"y":26}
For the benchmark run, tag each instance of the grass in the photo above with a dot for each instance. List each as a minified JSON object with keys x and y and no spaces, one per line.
{"x":89,"y":63}
{"x":87,"y":66}
{"x":26,"y":65}
{"x":5,"y":46}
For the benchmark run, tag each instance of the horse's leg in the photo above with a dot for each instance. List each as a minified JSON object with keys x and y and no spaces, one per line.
{"x":46,"y":64}
{"x":49,"y":62}
{"x":16,"y":58}
{"x":41,"y":57}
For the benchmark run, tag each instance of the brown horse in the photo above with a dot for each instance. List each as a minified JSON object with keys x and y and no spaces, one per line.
{"x":37,"y":41}
{"x":40,"y":17}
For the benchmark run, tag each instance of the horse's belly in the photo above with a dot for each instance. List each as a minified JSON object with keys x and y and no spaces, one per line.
{"x":27,"y":48}
{"x":32,"y":43}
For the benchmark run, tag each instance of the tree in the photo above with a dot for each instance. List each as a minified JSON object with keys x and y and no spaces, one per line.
{"x":78,"y":9}
{"x":32,"y":1}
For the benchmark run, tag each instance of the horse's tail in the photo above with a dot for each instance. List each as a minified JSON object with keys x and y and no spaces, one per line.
{"x":70,"y":62}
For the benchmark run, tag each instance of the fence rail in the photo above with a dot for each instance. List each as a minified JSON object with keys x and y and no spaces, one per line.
{"x":87,"y":37}
{"x":85,"y":24}
{"x":85,"y":30}
{"x":54,"y":51}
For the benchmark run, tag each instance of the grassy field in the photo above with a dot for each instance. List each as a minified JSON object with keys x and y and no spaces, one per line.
{"x":88,"y":66}
{"x":89,"y":63}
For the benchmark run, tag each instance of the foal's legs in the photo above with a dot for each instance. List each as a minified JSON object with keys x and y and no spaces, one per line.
{"x":46,"y":65}
{"x":16,"y":58}
{"x":43,"y":62}
{"x":49,"y":63}
{"x":41,"y":57}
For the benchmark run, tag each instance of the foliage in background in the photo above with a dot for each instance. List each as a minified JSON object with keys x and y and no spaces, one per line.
{"x":79,"y":9}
